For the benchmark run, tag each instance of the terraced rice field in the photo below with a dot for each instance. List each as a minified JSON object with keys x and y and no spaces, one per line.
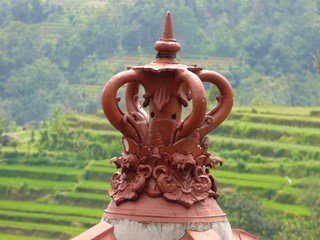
{"x":270,"y":153}
{"x":56,"y":203}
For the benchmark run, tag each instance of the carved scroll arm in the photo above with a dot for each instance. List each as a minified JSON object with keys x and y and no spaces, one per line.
{"x":199,"y":105}
{"x":124,"y":123}
{"x":220,"y":112}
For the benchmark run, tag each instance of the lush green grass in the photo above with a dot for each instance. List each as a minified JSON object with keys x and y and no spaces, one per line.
{"x":277,"y":110}
{"x":253,"y":181}
{"x":297,"y":121}
{"x":40,"y":172}
{"x":247,"y":184}
{"x":50,"y":228}
{"x":48,"y":218}
{"x":265,"y":148}
{"x":260,"y":178}
{"x":41,"y":169}
{"x":112,"y":132}
{"x":23,"y":134}
{"x":89,"y":196}
{"x":90,"y":122}
{"x":19,"y":237}
{"x":36,"y":183}
{"x":270,"y":132}
{"x":286,"y":208}
{"x":101,"y":163}
{"x":93,"y":200}
{"x":94,"y":184}
{"x":258,"y":149}
{"x":55,"y":209}
{"x":274,"y":145}
{"x":108,"y":168}
{"x":310,"y":182}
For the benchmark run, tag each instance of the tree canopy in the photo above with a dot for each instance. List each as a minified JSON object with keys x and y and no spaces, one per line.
{"x":47,"y":46}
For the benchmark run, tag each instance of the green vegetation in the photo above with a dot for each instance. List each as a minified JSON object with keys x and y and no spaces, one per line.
{"x":50,"y":209}
{"x":17,"y":237}
{"x":59,"y":54}
{"x":269,"y":168}
{"x":55,"y":57}
{"x":286,"y":208}
{"x":61,"y":232}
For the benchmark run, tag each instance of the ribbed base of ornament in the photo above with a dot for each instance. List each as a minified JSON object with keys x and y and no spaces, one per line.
{"x":150,"y":218}
{"x":133,"y":230}
{"x":147,"y":209}
{"x":159,"y":219}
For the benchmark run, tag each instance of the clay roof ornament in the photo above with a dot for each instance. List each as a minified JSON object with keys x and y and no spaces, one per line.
{"x":164,"y":155}
{"x":165,"y":189}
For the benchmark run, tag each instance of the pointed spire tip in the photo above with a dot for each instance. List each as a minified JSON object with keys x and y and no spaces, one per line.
{"x":167,"y":43}
{"x":168,"y":28}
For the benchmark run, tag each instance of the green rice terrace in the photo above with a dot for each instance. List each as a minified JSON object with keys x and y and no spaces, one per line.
{"x":55,"y":179}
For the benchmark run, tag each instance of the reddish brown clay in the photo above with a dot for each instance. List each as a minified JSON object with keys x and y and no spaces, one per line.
{"x":209,"y":234}
{"x":239,"y":234}
{"x":165,"y":156}
{"x":148,"y":209}
{"x":101,"y":231}
{"x":165,"y":177}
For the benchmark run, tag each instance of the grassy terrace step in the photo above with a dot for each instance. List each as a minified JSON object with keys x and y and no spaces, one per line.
{"x":296,"y":121}
{"x":311,"y":182}
{"x":40,"y":172}
{"x":4,"y":236}
{"x":36,"y":183}
{"x":258,"y":183}
{"x":99,"y":173}
{"x":103,"y":136}
{"x":265,"y":148}
{"x":92,"y":122}
{"x":47,"y":218}
{"x":302,"y":168}
{"x":50,"y":209}
{"x":250,"y":177}
{"x":287,"y":208}
{"x":100,"y":197}
{"x":278,"y":110}
{"x":105,"y":167}
{"x":243,"y":129}
{"x":93,"y":184}
{"x":101,"y":163}
{"x":48,"y":230}
{"x":93,"y":187}
{"x":99,"y":201}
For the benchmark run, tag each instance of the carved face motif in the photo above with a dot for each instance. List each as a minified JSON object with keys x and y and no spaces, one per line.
{"x":183,"y":161}
{"x":164,"y":111}
{"x":126,"y":162}
{"x":162,"y":122}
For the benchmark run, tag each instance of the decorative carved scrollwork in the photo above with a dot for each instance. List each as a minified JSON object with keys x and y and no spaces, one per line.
{"x":164,"y":154}
{"x":178,"y":172}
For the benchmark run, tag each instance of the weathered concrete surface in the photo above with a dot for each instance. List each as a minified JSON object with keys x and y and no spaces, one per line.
{"x":132,"y":230}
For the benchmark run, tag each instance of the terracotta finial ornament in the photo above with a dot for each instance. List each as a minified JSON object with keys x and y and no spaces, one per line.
{"x":164,"y":189}
{"x":165,"y":157}
{"x":167,"y":44}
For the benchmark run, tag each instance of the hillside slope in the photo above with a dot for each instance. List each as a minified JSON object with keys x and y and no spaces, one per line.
{"x":270,"y":153}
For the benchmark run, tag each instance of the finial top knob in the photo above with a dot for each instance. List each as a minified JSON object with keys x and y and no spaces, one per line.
{"x":167,"y":43}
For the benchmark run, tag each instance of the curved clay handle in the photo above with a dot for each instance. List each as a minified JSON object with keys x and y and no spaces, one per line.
{"x":199,"y":104}
{"x":220,"y":112}
{"x":124,"y":123}
{"x":132,"y":101}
